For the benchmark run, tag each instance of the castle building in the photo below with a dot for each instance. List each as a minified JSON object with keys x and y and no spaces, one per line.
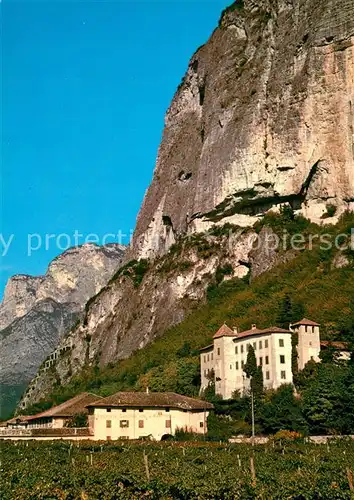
{"x":226,"y":357}
{"x":309,"y":344}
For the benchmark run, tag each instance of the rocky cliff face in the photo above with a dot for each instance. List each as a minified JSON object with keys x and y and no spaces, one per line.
{"x":37,"y":311}
{"x":263,"y":116}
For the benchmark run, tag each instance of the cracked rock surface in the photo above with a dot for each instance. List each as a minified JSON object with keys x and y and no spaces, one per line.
{"x":37,"y":311}
{"x":264,"y":115}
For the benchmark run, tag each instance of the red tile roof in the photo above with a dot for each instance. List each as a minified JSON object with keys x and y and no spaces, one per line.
{"x":14,"y":420}
{"x":265,"y":331}
{"x":150,"y":400}
{"x":69,"y":408}
{"x":210,"y":346}
{"x":306,"y":322}
{"x":224,"y":331}
{"x":344,"y":346}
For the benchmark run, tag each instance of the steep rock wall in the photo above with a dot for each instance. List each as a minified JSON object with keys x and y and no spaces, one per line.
{"x":141,"y":302}
{"x":37,"y":311}
{"x":263,"y":116}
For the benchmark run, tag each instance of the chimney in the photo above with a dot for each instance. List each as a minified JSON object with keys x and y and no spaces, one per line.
{"x":254,"y":326}
{"x":235,"y":329}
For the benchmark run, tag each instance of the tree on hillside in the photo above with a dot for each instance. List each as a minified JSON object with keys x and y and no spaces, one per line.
{"x":346,"y":325}
{"x":289,"y":311}
{"x":285,"y":316}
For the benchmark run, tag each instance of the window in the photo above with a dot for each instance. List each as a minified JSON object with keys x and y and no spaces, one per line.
{"x":141,"y":410}
{"x":283,"y":375}
{"x":266,"y":344}
{"x":267,"y":360}
{"x":260,"y":361}
{"x":241,"y":349}
{"x":236,"y":350}
{"x":204,"y":358}
{"x":218,"y":351}
{"x":254,"y":345}
{"x":141,"y":424}
{"x":108,"y":424}
{"x":267,"y":376}
{"x":236,"y":365}
{"x":230,"y":367}
{"x":248,"y":347}
{"x":310,"y":343}
{"x":108,"y":438}
{"x":168,"y":424}
{"x":167,"y":409}
{"x":124,"y":423}
{"x":205,"y":373}
{"x":282,"y":359}
{"x":242,"y":364}
{"x":208,"y":357}
{"x":108,"y":410}
{"x":212,"y":356}
{"x":124,"y":410}
{"x":201,"y":424}
{"x":260,"y":344}
{"x":281,"y":342}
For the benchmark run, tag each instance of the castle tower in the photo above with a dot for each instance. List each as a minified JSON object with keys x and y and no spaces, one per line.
{"x":224,"y":361}
{"x":308,"y":346}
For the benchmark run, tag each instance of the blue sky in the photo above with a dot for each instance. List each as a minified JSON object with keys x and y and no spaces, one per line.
{"x":85,"y":89}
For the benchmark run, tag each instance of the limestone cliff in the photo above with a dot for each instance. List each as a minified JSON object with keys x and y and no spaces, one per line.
{"x":264,"y":115}
{"x":37,"y":311}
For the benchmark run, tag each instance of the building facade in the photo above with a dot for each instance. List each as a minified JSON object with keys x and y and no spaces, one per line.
{"x":224,"y":360}
{"x":308,"y":342}
{"x":137,"y":415}
{"x":59,"y":416}
{"x":124,"y":415}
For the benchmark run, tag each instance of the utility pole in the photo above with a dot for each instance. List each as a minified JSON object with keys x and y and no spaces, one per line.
{"x":252,"y":411}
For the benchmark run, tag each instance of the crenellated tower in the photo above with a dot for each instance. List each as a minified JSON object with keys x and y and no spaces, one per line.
{"x":308,"y":347}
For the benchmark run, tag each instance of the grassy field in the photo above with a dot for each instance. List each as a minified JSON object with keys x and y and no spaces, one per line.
{"x":122,"y":470}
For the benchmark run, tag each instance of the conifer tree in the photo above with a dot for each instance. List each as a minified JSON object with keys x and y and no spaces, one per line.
{"x":289,"y":312}
{"x":254,"y":373}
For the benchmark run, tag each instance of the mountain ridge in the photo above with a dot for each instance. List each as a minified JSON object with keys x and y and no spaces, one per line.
{"x":37,"y":311}
{"x":261,"y":122}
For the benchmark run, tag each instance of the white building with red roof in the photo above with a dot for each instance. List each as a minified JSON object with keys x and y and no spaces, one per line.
{"x":226,"y":357}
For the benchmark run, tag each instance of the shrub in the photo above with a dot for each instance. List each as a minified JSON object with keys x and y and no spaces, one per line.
{"x":78,"y":420}
{"x":185,"y":434}
{"x":287,"y":436}
{"x":331,"y":211}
